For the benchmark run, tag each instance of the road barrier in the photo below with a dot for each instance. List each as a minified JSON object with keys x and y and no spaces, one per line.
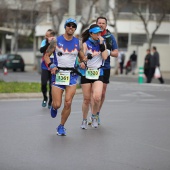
{"x":140,"y":75}
{"x":5,"y":71}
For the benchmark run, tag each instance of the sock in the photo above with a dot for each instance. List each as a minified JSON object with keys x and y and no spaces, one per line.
{"x":94,"y":115}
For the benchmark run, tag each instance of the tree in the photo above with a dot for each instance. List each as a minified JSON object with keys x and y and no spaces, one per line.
{"x":16,"y":18}
{"x":155,"y":11}
{"x":57,"y":11}
{"x":87,"y":18}
{"x":116,"y":9}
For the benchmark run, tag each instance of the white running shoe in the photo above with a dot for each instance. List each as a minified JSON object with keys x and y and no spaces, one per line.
{"x":94,"y":121}
{"x":84,"y":124}
{"x":90,"y":121}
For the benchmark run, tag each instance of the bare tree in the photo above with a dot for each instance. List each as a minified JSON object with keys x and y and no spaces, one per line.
{"x":155,"y":11}
{"x":87,"y":18}
{"x":57,"y":11}
{"x":16,"y":17}
{"x":116,"y":9}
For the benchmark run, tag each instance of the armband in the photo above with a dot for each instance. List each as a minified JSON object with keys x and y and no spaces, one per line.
{"x":102,"y":47}
{"x":52,"y":66}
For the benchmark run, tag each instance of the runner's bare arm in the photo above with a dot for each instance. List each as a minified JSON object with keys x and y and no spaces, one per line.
{"x":104,"y":53}
{"x":81,"y":54}
{"x":50,"y":50}
{"x":114,"y":53}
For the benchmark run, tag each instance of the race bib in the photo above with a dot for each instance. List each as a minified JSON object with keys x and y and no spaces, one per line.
{"x":63,"y":78}
{"x":92,"y":73}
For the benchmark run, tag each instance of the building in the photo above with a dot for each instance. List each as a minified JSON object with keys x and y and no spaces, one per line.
{"x":131,"y":34}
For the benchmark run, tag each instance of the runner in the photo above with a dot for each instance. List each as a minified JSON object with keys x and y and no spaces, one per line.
{"x":64,"y":75}
{"x":45,"y":72}
{"x":112,"y":52}
{"x":91,"y":81}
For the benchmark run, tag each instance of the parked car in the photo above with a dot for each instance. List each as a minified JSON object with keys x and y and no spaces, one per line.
{"x":12,"y":61}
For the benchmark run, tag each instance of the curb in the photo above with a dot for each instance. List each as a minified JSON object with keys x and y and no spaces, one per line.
{"x":26,"y":95}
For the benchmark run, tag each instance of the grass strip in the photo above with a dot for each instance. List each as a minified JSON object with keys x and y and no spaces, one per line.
{"x":22,"y":87}
{"x":19,"y":87}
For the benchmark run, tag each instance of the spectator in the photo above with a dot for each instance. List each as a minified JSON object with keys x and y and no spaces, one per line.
{"x":121,"y":59}
{"x":133,"y":60}
{"x":154,"y":62}
{"x":147,"y":63}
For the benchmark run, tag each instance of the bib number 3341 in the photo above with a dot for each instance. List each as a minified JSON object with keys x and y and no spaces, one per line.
{"x":63,"y":78}
{"x":92,"y":73}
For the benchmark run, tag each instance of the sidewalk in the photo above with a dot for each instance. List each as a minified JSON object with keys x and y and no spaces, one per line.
{"x":25,"y":95}
{"x":134,"y":78}
{"x":115,"y":78}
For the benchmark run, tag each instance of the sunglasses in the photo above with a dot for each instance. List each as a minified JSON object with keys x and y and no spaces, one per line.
{"x":71,"y":25}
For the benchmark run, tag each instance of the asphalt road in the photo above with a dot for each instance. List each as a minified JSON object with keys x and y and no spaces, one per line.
{"x":27,"y":76}
{"x":34,"y":76}
{"x":133,"y":135}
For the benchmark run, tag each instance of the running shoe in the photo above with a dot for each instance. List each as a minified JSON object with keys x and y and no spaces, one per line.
{"x":84,"y":124}
{"x":53,"y":112}
{"x":61,"y":131}
{"x":90,"y":121}
{"x":49,"y":105}
{"x":44,"y":103}
{"x":98,"y":120}
{"x":94,"y":121}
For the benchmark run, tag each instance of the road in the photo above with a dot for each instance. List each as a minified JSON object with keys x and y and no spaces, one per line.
{"x":27,"y":76}
{"x":34,"y":76}
{"x":133,"y":135}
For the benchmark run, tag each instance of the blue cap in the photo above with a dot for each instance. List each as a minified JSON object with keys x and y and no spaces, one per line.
{"x":70,"y":20}
{"x":95,"y":30}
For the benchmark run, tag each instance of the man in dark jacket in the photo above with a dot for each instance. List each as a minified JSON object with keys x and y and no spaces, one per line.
{"x":154,"y":62}
{"x":133,"y":60}
{"x":147,"y":63}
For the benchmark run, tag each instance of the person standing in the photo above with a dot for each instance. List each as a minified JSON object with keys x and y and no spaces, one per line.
{"x":133,"y":61}
{"x":45,"y":72}
{"x":154,"y":62}
{"x":64,"y":75}
{"x":121,"y":59}
{"x":147,"y":63}
{"x":112,"y":49}
{"x":92,"y":79}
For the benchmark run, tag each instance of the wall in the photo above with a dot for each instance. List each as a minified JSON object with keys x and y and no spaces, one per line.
{"x":137,"y":27}
{"x":28,"y":57}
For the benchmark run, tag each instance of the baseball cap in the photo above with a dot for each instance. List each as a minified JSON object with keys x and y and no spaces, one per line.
{"x":70,"y":20}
